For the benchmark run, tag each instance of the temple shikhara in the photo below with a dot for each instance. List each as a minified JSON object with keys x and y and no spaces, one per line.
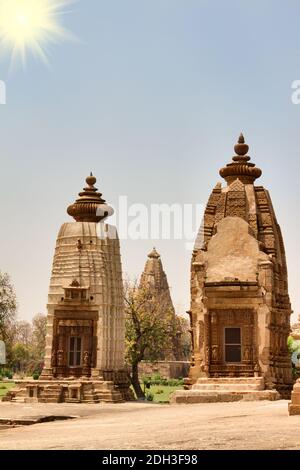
{"x":154,"y":280}
{"x":84,"y":360}
{"x":240,"y":307}
{"x":171,"y":363}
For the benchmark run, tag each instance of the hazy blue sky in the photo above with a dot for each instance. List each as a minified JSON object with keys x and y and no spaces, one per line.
{"x":152,"y":100}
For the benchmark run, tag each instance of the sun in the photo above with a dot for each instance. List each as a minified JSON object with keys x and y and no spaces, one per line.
{"x":29,"y":25}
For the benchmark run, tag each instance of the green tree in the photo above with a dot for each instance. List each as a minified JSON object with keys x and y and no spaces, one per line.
{"x":27,"y":352}
{"x":8,"y":305}
{"x":147,"y":329}
{"x":294,"y":349}
{"x":8,"y":312}
{"x":39,"y":324}
{"x":183,"y":338}
{"x":23,"y":333}
{"x":20,"y":356}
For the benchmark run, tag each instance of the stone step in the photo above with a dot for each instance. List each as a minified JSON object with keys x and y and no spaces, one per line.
{"x":230,"y":380}
{"x":196,"y":396}
{"x":227,"y":387}
{"x":48,"y":400}
{"x":242,"y":391}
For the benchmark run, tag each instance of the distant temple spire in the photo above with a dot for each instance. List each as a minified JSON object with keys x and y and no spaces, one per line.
{"x":154,"y":280}
{"x":240,"y":168}
{"x":90,"y":206}
{"x":154,"y":254}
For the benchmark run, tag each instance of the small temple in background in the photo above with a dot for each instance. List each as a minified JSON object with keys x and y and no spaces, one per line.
{"x":84,"y":360}
{"x":240,"y":306}
{"x":172,"y":363}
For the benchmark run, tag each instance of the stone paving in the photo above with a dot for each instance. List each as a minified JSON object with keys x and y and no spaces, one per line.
{"x":238,"y":425}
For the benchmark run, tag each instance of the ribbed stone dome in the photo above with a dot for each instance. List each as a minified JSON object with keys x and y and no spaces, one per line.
{"x":90,"y":207}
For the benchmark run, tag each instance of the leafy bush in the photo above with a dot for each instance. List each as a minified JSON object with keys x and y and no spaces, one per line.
{"x":294,"y":349}
{"x":147,"y":381}
{"x":35,"y":376}
{"x":6,"y":373}
{"x":156,"y":379}
{"x":159,"y":391}
{"x":149,"y":396}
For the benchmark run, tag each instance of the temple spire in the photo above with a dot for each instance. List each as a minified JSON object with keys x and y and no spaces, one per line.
{"x":240,"y":168}
{"x":154,"y":254}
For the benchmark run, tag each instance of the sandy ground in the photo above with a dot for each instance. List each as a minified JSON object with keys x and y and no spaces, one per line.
{"x":239,"y":425}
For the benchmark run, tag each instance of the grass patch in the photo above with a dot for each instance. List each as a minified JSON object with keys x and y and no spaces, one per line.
{"x":162,"y":392}
{"x":5,"y":387}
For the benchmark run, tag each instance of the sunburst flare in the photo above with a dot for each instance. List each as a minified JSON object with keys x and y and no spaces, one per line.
{"x":29,"y":25}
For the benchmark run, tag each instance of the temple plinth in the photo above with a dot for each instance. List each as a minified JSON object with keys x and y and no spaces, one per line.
{"x":240,"y":307}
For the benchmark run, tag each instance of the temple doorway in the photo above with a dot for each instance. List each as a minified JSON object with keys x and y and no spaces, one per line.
{"x":75,"y":351}
{"x":233,"y":345}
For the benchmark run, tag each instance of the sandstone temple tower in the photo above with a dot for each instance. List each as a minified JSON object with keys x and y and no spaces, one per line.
{"x":240,"y":307}
{"x":155,"y":280}
{"x":84,"y":358}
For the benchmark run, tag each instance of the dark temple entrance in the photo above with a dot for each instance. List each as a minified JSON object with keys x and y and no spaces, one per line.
{"x":232,"y":343}
{"x":74,"y":346}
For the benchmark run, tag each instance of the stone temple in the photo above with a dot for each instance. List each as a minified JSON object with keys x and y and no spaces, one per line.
{"x":154,"y":280}
{"x":240,"y":307}
{"x":171,"y":363}
{"x":84,"y":360}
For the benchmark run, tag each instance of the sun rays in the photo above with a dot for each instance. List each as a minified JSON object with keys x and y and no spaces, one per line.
{"x":30,"y":25}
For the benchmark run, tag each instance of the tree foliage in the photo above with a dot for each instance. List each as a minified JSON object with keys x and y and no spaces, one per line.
{"x":8,"y":306}
{"x":184,"y":337}
{"x":39,"y":324}
{"x":148,"y":328}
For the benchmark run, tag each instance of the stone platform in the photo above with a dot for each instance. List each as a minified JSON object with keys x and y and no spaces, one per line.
{"x":68,"y":391}
{"x":211,"y":390}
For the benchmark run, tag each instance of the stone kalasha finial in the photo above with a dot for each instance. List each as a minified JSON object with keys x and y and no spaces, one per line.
{"x":154,"y":254}
{"x":240,"y":169}
{"x":90,"y":207}
{"x":91,"y":180}
{"x":241,"y":148}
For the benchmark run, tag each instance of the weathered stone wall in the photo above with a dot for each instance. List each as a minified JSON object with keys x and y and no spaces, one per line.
{"x":166,"y":369}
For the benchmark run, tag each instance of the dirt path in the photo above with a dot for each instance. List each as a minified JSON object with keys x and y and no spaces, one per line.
{"x":240,"y":425}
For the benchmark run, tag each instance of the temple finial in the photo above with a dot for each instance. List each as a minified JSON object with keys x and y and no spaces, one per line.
{"x":241,"y":148}
{"x":154,"y":254}
{"x":241,"y":139}
{"x":240,"y":168}
{"x":91,"y":180}
{"x":90,"y":206}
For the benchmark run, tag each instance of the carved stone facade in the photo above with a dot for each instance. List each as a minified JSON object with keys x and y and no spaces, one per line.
{"x":240,"y":307}
{"x":85,"y":340}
